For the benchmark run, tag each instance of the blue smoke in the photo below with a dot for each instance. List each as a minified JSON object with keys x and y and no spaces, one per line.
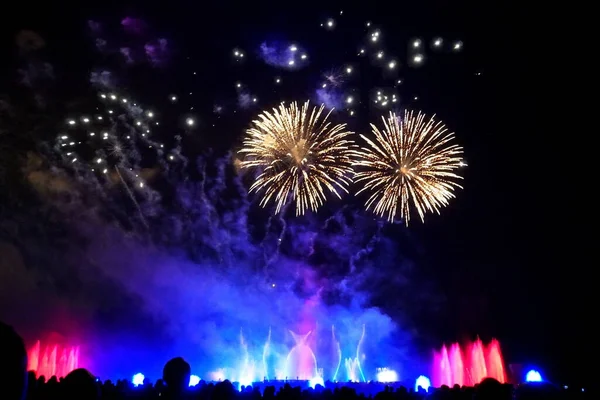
{"x":245,"y":99}
{"x":331,"y":97}
{"x":283,"y":55}
{"x":198,"y":284}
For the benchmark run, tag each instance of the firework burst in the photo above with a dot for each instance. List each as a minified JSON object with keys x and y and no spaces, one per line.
{"x":300,"y":156}
{"x":411,"y":163}
{"x":115,"y":144}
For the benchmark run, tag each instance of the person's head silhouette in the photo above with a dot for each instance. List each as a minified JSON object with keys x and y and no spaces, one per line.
{"x":80,"y":384}
{"x":223,"y":391}
{"x":490,"y":389}
{"x":176,"y":374}
{"x":13,"y":364}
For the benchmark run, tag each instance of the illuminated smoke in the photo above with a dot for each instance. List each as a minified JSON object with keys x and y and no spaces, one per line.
{"x":138,"y":46}
{"x":330,"y":97}
{"x":283,"y":55}
{"x":133,"y":25}
{"x":202,"y":254}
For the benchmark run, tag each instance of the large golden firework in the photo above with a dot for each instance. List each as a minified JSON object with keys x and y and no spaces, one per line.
{"x":300,"y":156}
{"x":411,"y":163}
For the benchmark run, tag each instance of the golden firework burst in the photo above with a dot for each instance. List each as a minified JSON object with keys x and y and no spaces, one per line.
{"x":300,"y":156}
{"x":411,"y":163}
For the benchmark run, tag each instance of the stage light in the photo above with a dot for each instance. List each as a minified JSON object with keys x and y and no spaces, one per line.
{"x":138,"y":379}
{"x":533,"y":376}
{"x":245,"y":381}
{"x":423,"y":382}
{"x":387,"y":375}
{"x":194,"y":380}
{"x":317,"y":380}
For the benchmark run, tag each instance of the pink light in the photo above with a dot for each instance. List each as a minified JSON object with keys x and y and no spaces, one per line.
{"x":468,"y":365}
{"x":52,"y":360}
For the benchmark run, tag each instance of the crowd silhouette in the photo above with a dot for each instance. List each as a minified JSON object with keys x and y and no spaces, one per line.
{"x":16,"y":383}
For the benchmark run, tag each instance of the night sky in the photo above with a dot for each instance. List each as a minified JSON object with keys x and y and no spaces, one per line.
{"x":501,"y":252}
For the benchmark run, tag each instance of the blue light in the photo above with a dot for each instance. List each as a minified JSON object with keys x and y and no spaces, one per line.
{"x":317,"y":380}
{"x":533,"y":376}
{"x":194,"y":380}
{"x":387,"y":376}
{"x":138,"y":379}
{"x":245,"y":381}
{"x":424,"y":382}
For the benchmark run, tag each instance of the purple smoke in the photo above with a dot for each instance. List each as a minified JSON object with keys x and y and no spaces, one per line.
{"x":157,"y":51}
{"x":133,"y":25}
{"x":200,"y":275}
{"x":140,"y":46}
{"x":101,"y":45}
{"x":127,"y":55}
{"x":245,"y":99}
{"x":94,"y":26}
{"x":103,"y":79}
{"x":283,"y":55}
{"x":331,"y":97}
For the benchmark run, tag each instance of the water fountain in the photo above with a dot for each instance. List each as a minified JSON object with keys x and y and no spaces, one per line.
{"x":301,"y":362}
{"x":468,"y":365}
{"x":52,"y":359}
{"x":256,"y":360}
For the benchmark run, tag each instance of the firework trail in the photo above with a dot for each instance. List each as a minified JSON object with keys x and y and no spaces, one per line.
{"x":410,"y":163}
{"x":367,"y":249}
{"x":300,"y":155}
{"x":208,"y":206}
{"x":273,"y":257}
{"x":131,"y":196}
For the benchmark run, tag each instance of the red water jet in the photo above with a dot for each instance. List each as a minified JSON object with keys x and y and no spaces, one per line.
{"x":456,"y":363}
{"x":469,"y":365}
{"x":495,"y":361}
{"x":52,"y":360}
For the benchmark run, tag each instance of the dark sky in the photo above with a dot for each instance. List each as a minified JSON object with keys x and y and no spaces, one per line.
{"x":504,"y":251}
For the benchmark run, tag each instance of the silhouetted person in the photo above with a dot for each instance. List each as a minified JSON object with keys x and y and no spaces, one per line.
{"x":13,"y":364}
{"x":269,"y":393}
{"x":223,"y":391}
{"x":176,"y":375}
{"x":32,"y":386}
{"x":80,"y":384}
{"x":491,"y":389}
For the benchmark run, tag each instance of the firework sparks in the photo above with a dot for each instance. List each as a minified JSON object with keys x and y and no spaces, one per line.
{"x":301,"y":156}
{"x":337,"y":77}
{"x":112,"y":144}
{"x":411,"y":163}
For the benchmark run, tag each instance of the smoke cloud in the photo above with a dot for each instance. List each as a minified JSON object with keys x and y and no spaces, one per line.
{"x":331,"y":97}
{"x":133,"y":44}
{"x":211,"y":281}
{"x":283,"y":55}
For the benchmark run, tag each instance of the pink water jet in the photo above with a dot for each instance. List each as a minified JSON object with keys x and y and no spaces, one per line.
{"x":301,"y":362}
{"x":52,"y":360}
{"x":468,"y":365}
